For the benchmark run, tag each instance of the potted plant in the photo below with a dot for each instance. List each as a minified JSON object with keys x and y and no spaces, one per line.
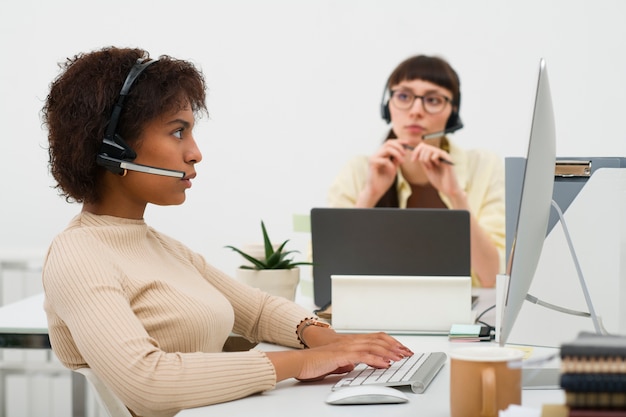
{"x":270,"y":268}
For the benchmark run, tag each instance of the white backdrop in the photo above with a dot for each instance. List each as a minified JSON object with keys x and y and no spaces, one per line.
{"x":294,"y":92}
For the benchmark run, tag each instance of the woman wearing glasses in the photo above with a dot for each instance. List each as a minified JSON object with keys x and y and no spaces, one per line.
{"x":418,"y":166}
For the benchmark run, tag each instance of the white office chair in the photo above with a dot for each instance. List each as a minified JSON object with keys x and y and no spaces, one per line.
{"x":107,"y":399}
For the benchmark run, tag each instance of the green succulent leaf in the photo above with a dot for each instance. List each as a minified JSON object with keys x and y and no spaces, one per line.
{"x":258,"y":263}
{"x":274,"y":259}
{"x":269,"y":249}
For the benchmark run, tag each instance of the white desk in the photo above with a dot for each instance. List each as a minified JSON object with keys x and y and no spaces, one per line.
{"x":25,"y":321}
{"x":293,"y":398}
{"x":23,"y":325}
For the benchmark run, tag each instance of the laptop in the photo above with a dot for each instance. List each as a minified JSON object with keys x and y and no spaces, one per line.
{"x":400,"y":304}
{"x":387,"y":241}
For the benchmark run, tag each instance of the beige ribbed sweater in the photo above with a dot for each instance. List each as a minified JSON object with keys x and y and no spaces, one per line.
{"x":150,"y":317}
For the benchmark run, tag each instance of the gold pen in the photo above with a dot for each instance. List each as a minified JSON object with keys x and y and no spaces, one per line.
{"x":444,"y":160}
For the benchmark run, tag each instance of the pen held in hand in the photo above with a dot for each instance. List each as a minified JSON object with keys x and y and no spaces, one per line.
{"x":444,"y":160}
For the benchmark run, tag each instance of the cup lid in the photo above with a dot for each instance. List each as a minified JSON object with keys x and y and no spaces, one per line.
{"x":487,"y":354}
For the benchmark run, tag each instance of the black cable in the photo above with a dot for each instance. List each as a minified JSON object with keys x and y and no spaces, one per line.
{"x":491,"y":328}
{"x":483,"y":313}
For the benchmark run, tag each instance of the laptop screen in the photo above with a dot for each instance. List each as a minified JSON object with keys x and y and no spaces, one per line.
{"x":387,"y":241}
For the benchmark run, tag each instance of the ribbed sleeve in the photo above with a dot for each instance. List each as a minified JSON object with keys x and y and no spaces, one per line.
{"x":150,"y":317}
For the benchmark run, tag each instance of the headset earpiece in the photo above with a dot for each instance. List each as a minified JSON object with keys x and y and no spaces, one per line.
{"x":384,"y":105}
{"x":114,"y":147}
{"x":454,"y":122}
{"x":384,"y":112}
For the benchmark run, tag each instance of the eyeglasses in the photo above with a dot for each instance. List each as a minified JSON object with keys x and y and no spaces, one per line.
{"x":433,"y":103}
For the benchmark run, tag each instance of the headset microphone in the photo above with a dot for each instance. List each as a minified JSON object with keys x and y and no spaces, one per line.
{"x":115,"y":155}
{"x":458,"y":125}
{"x":121,"y":166}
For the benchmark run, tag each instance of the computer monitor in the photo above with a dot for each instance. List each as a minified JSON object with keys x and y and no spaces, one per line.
{"x":534,"y":205}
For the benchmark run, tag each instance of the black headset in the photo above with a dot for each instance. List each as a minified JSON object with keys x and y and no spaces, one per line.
{"x":114,"y":149}
{"x":453,"y":124}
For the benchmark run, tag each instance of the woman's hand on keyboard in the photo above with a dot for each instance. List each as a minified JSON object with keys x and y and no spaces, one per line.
{"x":338,"y":355}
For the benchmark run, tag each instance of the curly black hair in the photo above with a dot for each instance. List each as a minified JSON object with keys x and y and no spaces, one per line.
{"x":81,"y":99}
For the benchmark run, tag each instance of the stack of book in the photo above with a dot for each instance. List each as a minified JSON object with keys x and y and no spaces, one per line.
{"x":594,"y":375}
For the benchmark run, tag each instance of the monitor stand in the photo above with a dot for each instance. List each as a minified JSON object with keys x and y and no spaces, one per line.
{"x":541,"y":378}
{"x":543,"y":370}
{"x":581,"y":279}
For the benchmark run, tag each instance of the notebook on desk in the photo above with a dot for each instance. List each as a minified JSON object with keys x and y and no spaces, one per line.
{"x":387,"y":241}
{"x":400,"y":304}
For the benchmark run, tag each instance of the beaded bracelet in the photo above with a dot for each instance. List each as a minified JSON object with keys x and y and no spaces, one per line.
{"x":309,"y":321}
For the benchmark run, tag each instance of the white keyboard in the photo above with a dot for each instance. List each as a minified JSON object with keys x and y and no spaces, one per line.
{"x":416,"y":371}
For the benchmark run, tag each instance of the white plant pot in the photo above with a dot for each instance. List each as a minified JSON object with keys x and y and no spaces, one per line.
{"x":281,"y":282}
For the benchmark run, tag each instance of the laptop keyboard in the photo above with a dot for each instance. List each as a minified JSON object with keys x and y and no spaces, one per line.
{"x":416,"y":371}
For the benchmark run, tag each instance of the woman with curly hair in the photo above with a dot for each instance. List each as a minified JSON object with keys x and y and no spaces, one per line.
{"x":145,"y":312}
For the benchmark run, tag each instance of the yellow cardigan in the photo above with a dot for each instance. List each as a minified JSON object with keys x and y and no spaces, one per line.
{"x":479,"y":172}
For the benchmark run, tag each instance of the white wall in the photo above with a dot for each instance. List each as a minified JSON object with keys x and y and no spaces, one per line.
{"x":294,"y":91}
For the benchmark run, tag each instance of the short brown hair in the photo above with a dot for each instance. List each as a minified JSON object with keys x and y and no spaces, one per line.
{"x":81,"y":99}
{"x":428,"y":68}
